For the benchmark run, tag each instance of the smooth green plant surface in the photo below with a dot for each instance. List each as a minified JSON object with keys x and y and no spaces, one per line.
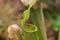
{"x":29,"y":30}
{"x":26,"y":13}
{"x":38,"y":19}
{"x":38,"y":31}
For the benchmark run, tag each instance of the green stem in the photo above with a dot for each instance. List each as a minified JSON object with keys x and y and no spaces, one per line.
{"x":59,"y":35}
{"x":26,"y":15}
{"x":38,"y":19}
{"x":28,"y":35}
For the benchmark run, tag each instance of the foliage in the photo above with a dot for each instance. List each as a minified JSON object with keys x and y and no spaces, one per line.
{"x":38,"y":10}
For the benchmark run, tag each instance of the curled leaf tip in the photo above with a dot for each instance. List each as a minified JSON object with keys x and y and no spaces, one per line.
{"x":30,"y":28}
